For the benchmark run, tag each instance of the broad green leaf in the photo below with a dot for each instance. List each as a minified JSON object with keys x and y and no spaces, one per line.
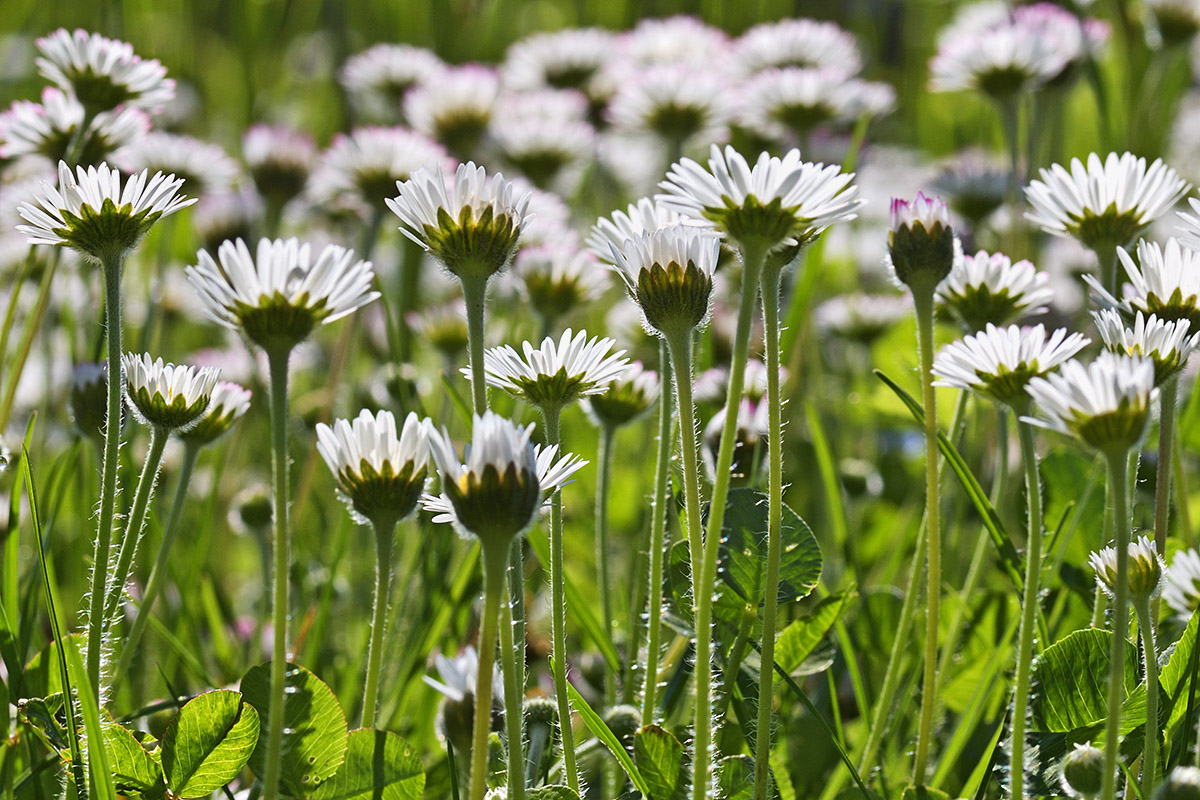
{"x":735,"y":778}
{"x":743,"y":554}
{"x":800,"y":639}
{"x":659,"y":757}
{"x":134,"y":770}
{"x":208,"y":742}
{"x":1070,"y":681}
{"x":1176,"y":676}
{"x":43,"y":672}
{"x":48,"y":718}
{"x":378,"y":766}
{"x":551,"y":793}
{"x":923,"y":793}
{"x":315,"y":738}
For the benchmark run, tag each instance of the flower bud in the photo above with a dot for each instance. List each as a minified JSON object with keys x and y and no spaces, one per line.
{"x":921,"y":244}
{"x":1083,"y":771}
{"x":624,"y":722}
{"x":1145,"y":569}
{"x":1182,"y":784}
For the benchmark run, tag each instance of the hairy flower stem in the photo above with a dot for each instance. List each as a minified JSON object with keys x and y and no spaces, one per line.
{"x":1108,"y":269}
{"x":1168,"y":399}
{"x":514,"y":692}
{"x":558,"y":620}
{"x":1141,"y":607}
{"x":158,"y":573}
{"x":923,"y":303}
{"x":762,"y":753}
{"x":680,"y":345}
{"x":475,"y":297}
{"x":278,"y":359}
{"x":136,"y":521}
{"x":1117,"y":470}
{"x":495,"y":562}
{"x":753,"y":257}
{"x":385,"y":538}
{"x":97,"y":624}
{"x":891,"y":675}
{"x":1029,"y":604}
{"x":658,"y":526}
{"x":603,"y":482}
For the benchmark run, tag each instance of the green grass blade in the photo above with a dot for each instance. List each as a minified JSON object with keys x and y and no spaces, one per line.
{"x":601,"y":731}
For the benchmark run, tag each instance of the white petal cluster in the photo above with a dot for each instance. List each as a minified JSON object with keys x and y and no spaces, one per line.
{"x":678,"y":244}
{"x":992,"y":283}
{"x":1110,"y":386}
{"x":797,"y":43}
{"x":373,"y":439}
{"x":427,"y":192}
{"x":1161,"y":278}
{"x":1165,"y":341}
{"x":73,"y":61}
{"x":1145,"y":568}
{"x":582,"y":366}
{"x":1181,"y":589}
{"x":366,"y":163}
{"x":672,"y":40}
{"x":378,"y":78}
{"x":451,"y":95}
{"x":229,"y":403}
{"x":278,"y":149}
{"x":675,"y":103}
{"x":928,"y":211}
{"x":780,"y":102}
{"x":47,"y":128}
{"x":566,"y":59}
{"x":644,"y":216}
{"x":203,"y":164}
{"x":1000,"y":362}
{"x":169,"y":395}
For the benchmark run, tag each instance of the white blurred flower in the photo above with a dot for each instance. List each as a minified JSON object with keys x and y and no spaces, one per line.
{"x":366,"y":164}
{"x":165,"y":395}
{"x":454,"y":106}
{"x":1000,"y":362}
{"x":103,"y":73}
{"x":797,"y":43}
{"x":379,"y":78}
{"x":1165,"y":342}
{"x":205,"y":167}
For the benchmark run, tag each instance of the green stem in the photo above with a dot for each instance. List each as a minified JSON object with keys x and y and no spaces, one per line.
{"x":1108,"y":269}
{"x":923,"y":303}
{"x":1029,"y":605}
{"x":762,"y":753}
{"x":558,"y":620}
{"x":1150,"y":751}
{"x":108,"y":489}
{"x":385,"y":538}
{"x":475,"y":296}
{"x":514,"y":691}
{"x":1117,"y":469}
{"x":658,"y":525}
{"x":136,"y":521}
{"x":158,"y":572}
{"x":495,"y":560}
{"x":516,"y":605}
{"x":603,"y":481}
{"x":680,"y":345}
{"x":1168,"y":397}
{"x":278,"y":360}
{"x":32,"y":326}
{"x":412,"y":255}
{"x":752,"y":264}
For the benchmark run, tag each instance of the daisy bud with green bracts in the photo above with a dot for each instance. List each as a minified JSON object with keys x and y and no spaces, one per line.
{"x":1145,"y":569}
{"x":381,"y":475}
{"x":626,"y":399}
{"x":1082,"y":771}
{"x":922,"y":247}
{"x":990,"y":288}
{"x":669,"y":274}
{"x":1182,"y":784}
{"x":229,"y":403}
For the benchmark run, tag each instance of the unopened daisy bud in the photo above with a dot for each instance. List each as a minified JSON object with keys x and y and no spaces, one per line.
{"x":471,"y":226}
{"x":381,"y":474}
{"x":229,"y":403}
{"x":556,"y":373}
{"x":1083,"y":771}
{"x":97,"y":213}
{"x":989,"y":288}
{"x":1177,"y":21}
{"x":1182,"y":784}
{"x":627,"y":397}
{"x":1145,"y":569}
{"x":922,"y":247}
{"x":167,"y":396}
{"x":444,"y":326}
{"x":1181,"y":587}
{"x":541,"y":733}
{"x":1105,"y":404}
{"x":89,"y":398}
{"x":624,"y":722}
{"x":669,"y":273}
{"x":1167,"y":344}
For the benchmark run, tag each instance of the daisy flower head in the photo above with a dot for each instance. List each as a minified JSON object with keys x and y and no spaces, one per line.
{"x":555,"y":374}
{"x":1000,"y":362}
{"x":1175,"y":21}
{"x":166,"y":396}
{"x":1081,"y":772}
{"x":568,"y":59}
{"x":378,"y":79}
{"x":862,"y":318}
{"x":990,"y":288}
{"x":922,"y":247}
{"x":365,"y":165}
{"x":626,"y":398}
{"x":454,"y":106}
{"x":1145,"y":568}
{"x":644,"y":216}
{"x":280,"y":160}
{"x":805,"y":43}
{"x":1181,"y":587}
{"x":230,"y":402}
{"x":1163,"y":280}
{"x":1002,"y":62}
{"x":280,"y":294}
{"x":470,"y":225}
{"x":792,"y":102}
{"x":95,"y":212}
{"x":202,"y":165}
{"x":1104,"y":204}
{"x":103,"y":73}
{"x":676,"y":104}
{"x":49,"y":129}
{"x":1164,"y":342}
{"x":558,"y":278}
{"x":443,"y":326}
{"x":380,"y":469}
{"x":669,"y":274}
{"x":496,"y":493}
{"x":543,"y":149}
{"x":975,"y":187}
{"x":227,"y":215}
{"x":680,"y":39}
{"x":1104,"y":404}
{"x":777,"y":203}
{"x":1183,"y":782}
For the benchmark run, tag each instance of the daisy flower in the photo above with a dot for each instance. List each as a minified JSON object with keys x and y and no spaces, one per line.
{"x":672,"y":40}
{"x":199,"y":163}
{"x":797,"y":43}
{"x":644,"y":216}
{"x":1145,"y":568}
{"x":557,"y":278}
{"x":1000,"y":362}
{"x":167,"y":396}
{"x":543,"y":150}
{"x":230,"y":402}
{"x":1181,"y":589}
{"x":454,"y":106}
{"x":366,"y":164}
{"x":279,"y":158}
{"x":675,"y":103}
{"x":779,"y":103}
{"x":378,"y":79}
{"x":556,"y":373}
{"x":48,"y":129}
{"x":567,"y":59}
{"x":990,"y":288}
{"x":669,"y":274}
{"x":1001,"y":62}
{"x":103,"y":73}
{"x":922,"y":247}
{"x":1164,"y":280}
{"x":443,"y":326}
{"x":862,"y":318}
{"x":1166,"y":343}
{"x":975,"y":187}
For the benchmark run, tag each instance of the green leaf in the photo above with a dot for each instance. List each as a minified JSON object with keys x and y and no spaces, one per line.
{"x":1070,"y":682}
{"x":43,"y":673}
{"x":744,"y":550}
{"x":735,"y":778}
{"x":134,"y":770}
{"x":315,"y":738}
{"x":923,"y":793}
{"x":800,"y":639}
{"x":1176,"y":676}
{"x":48,"y":718}
{"x":659,"y":757}
{"x":601,"y":731}
{"x":551,"y":793}
{"x":90,"y":711}
{"x":208,"y":742}
{"x":378,"y":765}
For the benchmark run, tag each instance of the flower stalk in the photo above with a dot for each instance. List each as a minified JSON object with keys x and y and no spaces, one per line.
{"x":603,"y":483}
{"x":385,"y":538}
{"x":495,"y":562}
{"x":658,"y":526}
{"x":1142,"y":606}
{"x":1117,"y":473}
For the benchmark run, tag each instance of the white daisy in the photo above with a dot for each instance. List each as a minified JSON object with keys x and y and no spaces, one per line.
{"x":566,"y":59}
{"x":202,"y":165}
{"x":546,"y":151}
{"x":366,"y":164}
{"x":1105,"y":203}
{"x":625,"y":398}
{"x":797,"y":43}
{"x":1164,"y":281}
{"x":990,"y":288}
{"x":672,"y":40}
{"x":280,"y":294}
{"x":1165,"y":342}
{"x":92,"y":212}
{"x":380,"y":473}
{"x":378,"y":79}
{"x":1181,"y":589}
{"x":775,"y":202}
{"x":167,"y":396}
{"x":783,"y":103}
{"x":556,"y":373}
{"x":1145,"y":568}
{"x":103,"y":73}
{"x":454,"y":106}
{"x":1000,"y":362}
{"x":669,"y":274}
{"x":922,"y":247}
{"x":1001,"y":62}
{"x":230,"y":402}
{"x":280,"y":159}
{"x":644,"y":216}
{"x":675,"y":103}
{"x":48,"y":129}
{"x":557,"y":278}
{"x":1105,"y":404}
{"x":862,"y":318}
